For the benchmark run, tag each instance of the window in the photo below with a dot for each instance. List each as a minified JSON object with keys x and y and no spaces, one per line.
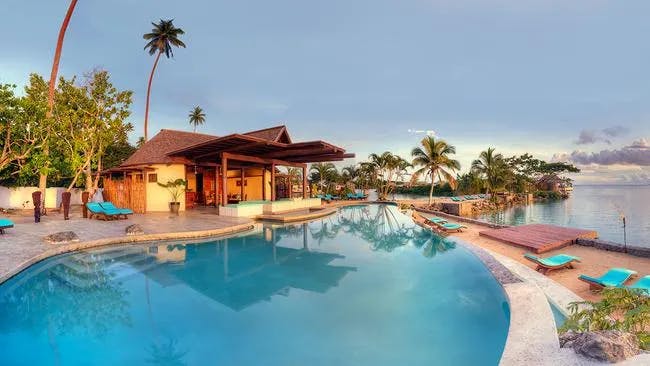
{"x":153,"y":178}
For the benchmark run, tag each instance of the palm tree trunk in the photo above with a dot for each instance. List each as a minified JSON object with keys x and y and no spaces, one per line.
{"x":431,"y":190}
{"x":42,"y":179}
{"x":146,"y":108}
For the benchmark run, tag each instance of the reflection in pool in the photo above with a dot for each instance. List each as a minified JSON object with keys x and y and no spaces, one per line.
{"x":364,"y":286}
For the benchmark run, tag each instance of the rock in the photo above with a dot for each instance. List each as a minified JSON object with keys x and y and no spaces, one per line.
{"x":604,"y":345}
{"x":567,"y":338}
{"x":62,"y":237}
{"x":134,"y":229}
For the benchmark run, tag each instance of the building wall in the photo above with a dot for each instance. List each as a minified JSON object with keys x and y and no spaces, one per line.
{"x":158,"y":198}
{"x":253,"y":185}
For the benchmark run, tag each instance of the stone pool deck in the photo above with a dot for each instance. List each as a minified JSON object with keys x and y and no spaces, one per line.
{"x":23,"y":245}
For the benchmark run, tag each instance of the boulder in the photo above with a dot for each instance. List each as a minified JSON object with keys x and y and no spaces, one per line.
{"x":134,"y":229}
{"x":62,"y":237}
{"x":603,"y":345}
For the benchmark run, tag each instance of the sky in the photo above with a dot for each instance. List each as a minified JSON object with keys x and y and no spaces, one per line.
{"x":563,"y":80}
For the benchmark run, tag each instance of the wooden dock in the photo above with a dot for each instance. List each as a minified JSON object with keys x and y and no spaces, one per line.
{"x":539,"y":238}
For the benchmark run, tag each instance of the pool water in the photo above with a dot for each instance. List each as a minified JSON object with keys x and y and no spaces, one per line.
{"x":362,"y":287}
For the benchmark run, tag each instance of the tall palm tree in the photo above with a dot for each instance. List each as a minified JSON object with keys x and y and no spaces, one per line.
{"x":42,"y":180}
{"x":197,"y":117}
{"x":324,"y":171}
{"x":163,"y":36}
{"x":434,"y":159}
{"x":490,"y":165}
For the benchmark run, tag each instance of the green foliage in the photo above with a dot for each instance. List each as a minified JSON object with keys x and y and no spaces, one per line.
{"x":444,"y":189}
{"x":434,"y":159}
{"x":549,"y":195}
{"x":197,"y":117}
{"x":175,"y":188}
{"x":620,"y":309}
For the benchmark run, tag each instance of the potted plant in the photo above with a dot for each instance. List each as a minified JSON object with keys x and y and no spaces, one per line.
{"x":175,"y":188}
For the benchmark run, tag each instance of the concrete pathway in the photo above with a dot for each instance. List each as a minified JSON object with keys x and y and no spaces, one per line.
{"x":24,"y":244}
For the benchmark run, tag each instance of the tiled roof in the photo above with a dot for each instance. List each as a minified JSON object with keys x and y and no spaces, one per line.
{"x":156,"y":149}
{"x":277,"y":134}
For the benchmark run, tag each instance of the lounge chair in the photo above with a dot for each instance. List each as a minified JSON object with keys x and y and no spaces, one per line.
{"x":545,"y":265}
{"x":642,"y":284}
{"x":435,"y":220}
{"x":324,"y":198}
{"x":448,"y":227}
{"x":482,"y":196}
{"x":110,"y":206}
{"x":5,"y":224}
{"x":457,"y":199}
{"x":614,"y":277}
{"x":353,"y":196}
{"x":99,"y":212}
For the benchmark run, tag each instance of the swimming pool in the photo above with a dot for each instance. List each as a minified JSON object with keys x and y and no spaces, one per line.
{"x":362,"y":287}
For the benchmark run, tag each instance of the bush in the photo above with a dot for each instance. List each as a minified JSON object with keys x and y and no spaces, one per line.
{"x":620,"y":309}
{"x":549,"y":195}
{"x":423,"y":190}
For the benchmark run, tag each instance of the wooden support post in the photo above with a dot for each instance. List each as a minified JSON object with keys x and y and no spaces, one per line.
{"x":273,"y":182}
{"x":304,"y":181}
{"x":243,"y":183}
{"x":263,"y":183}
{"x":224,"y":180}
{"x":216,"y":186}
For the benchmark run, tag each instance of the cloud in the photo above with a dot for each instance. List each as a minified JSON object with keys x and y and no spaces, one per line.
{"x":426,"y":132}
{"x":587,"y":137}
{"x":615,"y":131}
{"x":638,"y":153}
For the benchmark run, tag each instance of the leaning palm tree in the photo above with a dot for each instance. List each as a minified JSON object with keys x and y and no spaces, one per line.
{"x":434,"y":159}
{"x":197,"y":117}
{"x":163,"y":36}
{"x":42,"y":180}
{"x":491,"y":166}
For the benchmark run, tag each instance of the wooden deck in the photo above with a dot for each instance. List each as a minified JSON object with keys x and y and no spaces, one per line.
{"x":539,"y":238}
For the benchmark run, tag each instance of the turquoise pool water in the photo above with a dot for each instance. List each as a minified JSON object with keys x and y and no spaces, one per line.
{"x":362,"y":287}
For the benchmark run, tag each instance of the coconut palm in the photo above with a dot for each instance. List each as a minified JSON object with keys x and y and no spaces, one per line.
{"x":324,"y":172}
{"x":491,"y":166}
{"x":434,"y":159}
{"x":162,"y":38}
{"x":42,"y":180}
{"x":197,"y":117}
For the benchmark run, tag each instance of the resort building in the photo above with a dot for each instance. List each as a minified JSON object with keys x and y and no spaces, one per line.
{"x":238,"y":172}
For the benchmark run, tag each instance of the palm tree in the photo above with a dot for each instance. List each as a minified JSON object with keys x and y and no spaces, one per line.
{"x":491,"y":166}
{"x":197,"y":117}
{"x":42,"y":180}
{"x":163,"y":36}
{"x":433,"y":157}
{"x":324,"y":172}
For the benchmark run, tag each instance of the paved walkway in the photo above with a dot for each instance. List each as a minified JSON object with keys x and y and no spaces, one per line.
{"x":24,"y":243}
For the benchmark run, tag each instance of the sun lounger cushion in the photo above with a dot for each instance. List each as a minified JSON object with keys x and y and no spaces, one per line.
{"x":554,"y":261}
{"x":111,"y":206}
{"x":642,"y":284}
{"x":614,"y":277}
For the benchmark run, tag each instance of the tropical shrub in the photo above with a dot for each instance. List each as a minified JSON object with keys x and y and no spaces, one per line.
{"x":620,"y":309}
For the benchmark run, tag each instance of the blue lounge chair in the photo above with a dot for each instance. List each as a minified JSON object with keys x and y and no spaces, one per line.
{"x":447,"y":227}
{"x":614,"y":277}
{"x":5,"y":224}
{"x":435,"y":220}
{"x":482,"y":196}
{"x":324,"y":198}
{"x":457,"y":199}
{"x":642,"y":284}
{"x":99,"y":212}
{"x":110,"y":206}
{"x":545,"y":265}
{"x":352,"y":196}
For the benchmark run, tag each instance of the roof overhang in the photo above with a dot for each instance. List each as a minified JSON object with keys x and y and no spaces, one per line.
{"x":301,"y":152}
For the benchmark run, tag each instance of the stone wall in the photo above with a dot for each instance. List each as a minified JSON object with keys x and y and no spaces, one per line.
{"x":461,"y":219}
{"x":632,"y":249}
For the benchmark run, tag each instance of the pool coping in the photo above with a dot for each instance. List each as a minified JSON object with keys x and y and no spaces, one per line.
{"x":122,"y":240}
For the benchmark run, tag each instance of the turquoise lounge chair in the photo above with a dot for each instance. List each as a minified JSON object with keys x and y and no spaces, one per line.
{"x":451,"y":227}
{"x":323,"y":197}
{"x":5,"y":224}
{"x":352,"y":196}
{"x":435,"y":220}
{"x":101,"y":213}
{"x":642,"y":284}
{"x":614,"y":277}
{"x":111,"y":206}
{"x":482,"y":196}
{"x":456,"y":199}
{"x":555,"y":262}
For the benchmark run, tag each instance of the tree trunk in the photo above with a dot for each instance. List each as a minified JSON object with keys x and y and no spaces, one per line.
{"x":42,"y":179}
{"x":431,"y":191}
{"x":146,"y":108}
